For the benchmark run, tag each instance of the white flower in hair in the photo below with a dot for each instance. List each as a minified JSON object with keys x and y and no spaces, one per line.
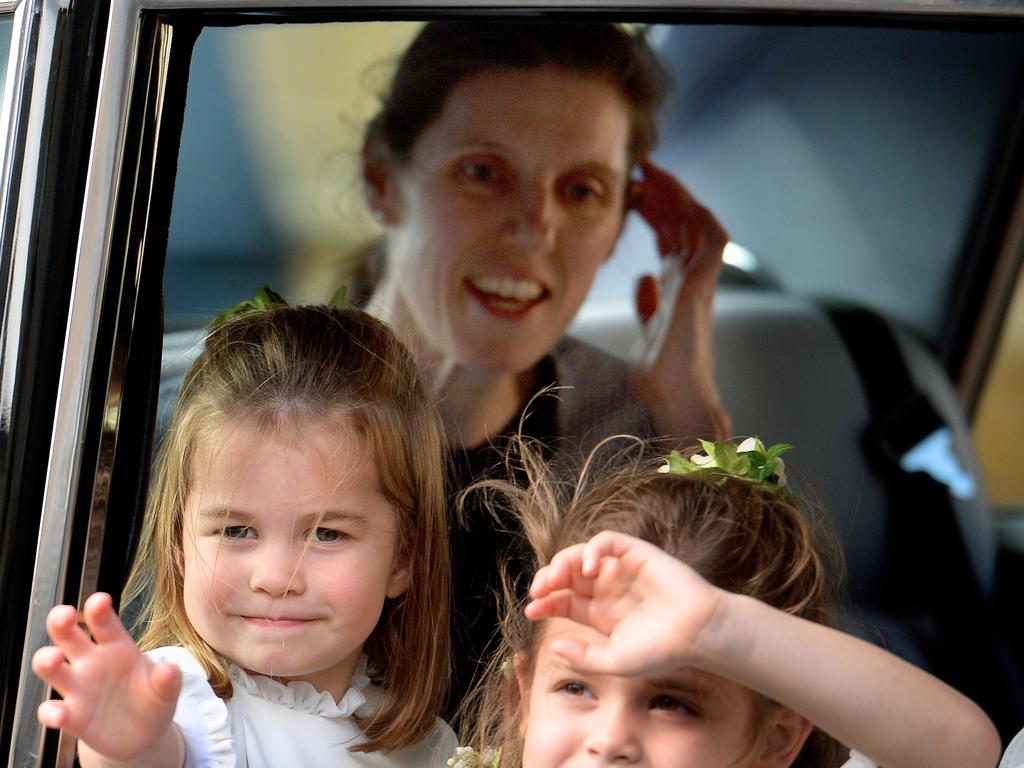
{"x":750,"y":460}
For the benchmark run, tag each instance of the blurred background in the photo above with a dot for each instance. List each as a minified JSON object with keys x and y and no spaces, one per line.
{"x":845,"y":162}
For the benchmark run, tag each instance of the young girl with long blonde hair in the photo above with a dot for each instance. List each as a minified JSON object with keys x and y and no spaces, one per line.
{"x":681,"y":618}
{"x":295,"y":559}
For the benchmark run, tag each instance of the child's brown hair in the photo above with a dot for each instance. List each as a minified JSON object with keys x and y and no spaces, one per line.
{"x":284,"y":368}
{"x":740,"y":536}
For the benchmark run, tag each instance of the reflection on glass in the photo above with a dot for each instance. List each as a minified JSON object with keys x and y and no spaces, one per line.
{"x":848,"y":161}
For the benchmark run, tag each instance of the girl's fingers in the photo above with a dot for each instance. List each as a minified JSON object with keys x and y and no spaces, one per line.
{"x":165,"y":680}
{"x":52,"y":714}
{"x":558,"y":574}
{"x":562,"y":605}
{"x":65,"y":632}
{"x":50,"y":665}
{"x":104,"y":624}
{"x":585,"y":657}
{"x":605,"y":544}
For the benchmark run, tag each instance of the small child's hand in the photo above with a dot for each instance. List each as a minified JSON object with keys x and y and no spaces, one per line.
{"x":115,"y":699}
{"x":651,"y":607}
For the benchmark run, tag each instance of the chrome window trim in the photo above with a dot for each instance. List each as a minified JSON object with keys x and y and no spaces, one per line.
{"x":22,"y":118}
{"x":32,"y":44}
{"x":69,"y":417}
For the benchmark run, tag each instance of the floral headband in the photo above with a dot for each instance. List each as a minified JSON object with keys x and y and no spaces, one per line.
{"x":267,"y":298}
{"x":749,"y":461}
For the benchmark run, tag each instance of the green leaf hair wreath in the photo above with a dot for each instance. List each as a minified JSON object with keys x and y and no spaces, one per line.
{"x":267,"y":298}
{"x":749,"y":461}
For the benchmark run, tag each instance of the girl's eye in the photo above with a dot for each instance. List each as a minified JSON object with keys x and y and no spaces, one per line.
{"x":670,"y":704}
{"x":327,"y":535}
{"x":573,"y":688}
{"x":237,"y":532}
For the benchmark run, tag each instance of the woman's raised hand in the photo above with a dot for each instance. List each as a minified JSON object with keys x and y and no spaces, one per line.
{"x":675,"y":373}
{"x":651,"y":607}
{"x":115,"y":699}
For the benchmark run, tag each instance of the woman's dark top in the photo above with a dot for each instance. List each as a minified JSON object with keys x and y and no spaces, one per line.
{"x":485,"y":541}
{"x":593,"y":402}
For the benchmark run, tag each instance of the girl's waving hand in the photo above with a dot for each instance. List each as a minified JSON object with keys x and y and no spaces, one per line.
{"x":115,"y":700}
{"x":651,"y":607}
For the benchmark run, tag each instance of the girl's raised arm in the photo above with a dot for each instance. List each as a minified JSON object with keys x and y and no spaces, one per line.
{"x":115,"y":700}
{"x":658,"y":615}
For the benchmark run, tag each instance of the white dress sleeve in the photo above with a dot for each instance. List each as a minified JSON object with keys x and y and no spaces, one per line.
{"x":1014,"y":755}
{"x":857,"y":760}
{"x":201,"y":715}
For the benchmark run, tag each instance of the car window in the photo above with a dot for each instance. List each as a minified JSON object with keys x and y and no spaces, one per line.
{"x":846,"y":163}
{"x":849,"y":162}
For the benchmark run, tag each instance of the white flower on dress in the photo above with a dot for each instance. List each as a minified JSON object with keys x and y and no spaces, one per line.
{"x":467,"y":757}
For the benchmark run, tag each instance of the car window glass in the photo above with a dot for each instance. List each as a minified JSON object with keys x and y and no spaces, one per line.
{"x":845,"y":162}
{"x":848,"y":161}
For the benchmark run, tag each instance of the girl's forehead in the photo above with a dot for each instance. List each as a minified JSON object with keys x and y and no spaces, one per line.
{"x":244,"y":435}
{"x":317,"y":454}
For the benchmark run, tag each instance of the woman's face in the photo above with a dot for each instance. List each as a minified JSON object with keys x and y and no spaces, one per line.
{"x":511,"y":200}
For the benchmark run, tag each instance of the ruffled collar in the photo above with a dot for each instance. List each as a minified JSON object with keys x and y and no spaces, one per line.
{"x":302,"y":696}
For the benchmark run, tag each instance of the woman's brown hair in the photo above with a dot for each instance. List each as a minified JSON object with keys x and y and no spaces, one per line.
{"x":283,"y":369}
{"x":740,"y":536}
{"x":445,"y":53}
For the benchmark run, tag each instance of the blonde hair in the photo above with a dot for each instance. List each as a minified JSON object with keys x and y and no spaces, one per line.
{"x":738,"y":535}
{"x":276,"y":369}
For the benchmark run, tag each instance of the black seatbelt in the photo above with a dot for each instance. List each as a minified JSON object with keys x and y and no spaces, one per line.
{"x":929,"y":568}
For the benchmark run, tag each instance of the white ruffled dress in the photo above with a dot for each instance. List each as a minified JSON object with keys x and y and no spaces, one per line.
{"x":268,"y":724}
{"x":1014,"y":755}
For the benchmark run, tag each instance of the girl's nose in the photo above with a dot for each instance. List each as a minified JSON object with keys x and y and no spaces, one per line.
{"x":276,"y":571}
{"x":613,"y":741}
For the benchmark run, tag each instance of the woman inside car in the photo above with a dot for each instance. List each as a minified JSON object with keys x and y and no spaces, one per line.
{"x":501,"y":167}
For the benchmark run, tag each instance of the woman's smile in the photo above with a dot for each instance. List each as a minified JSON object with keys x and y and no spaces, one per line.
{"x":506,"y":297}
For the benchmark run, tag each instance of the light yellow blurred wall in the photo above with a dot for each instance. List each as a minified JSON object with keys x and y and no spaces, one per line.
{"x":999,"y":422}
{"x":304,"y":93}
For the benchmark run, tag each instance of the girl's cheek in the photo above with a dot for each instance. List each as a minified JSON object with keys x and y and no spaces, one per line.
{"x":213,"y":574}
